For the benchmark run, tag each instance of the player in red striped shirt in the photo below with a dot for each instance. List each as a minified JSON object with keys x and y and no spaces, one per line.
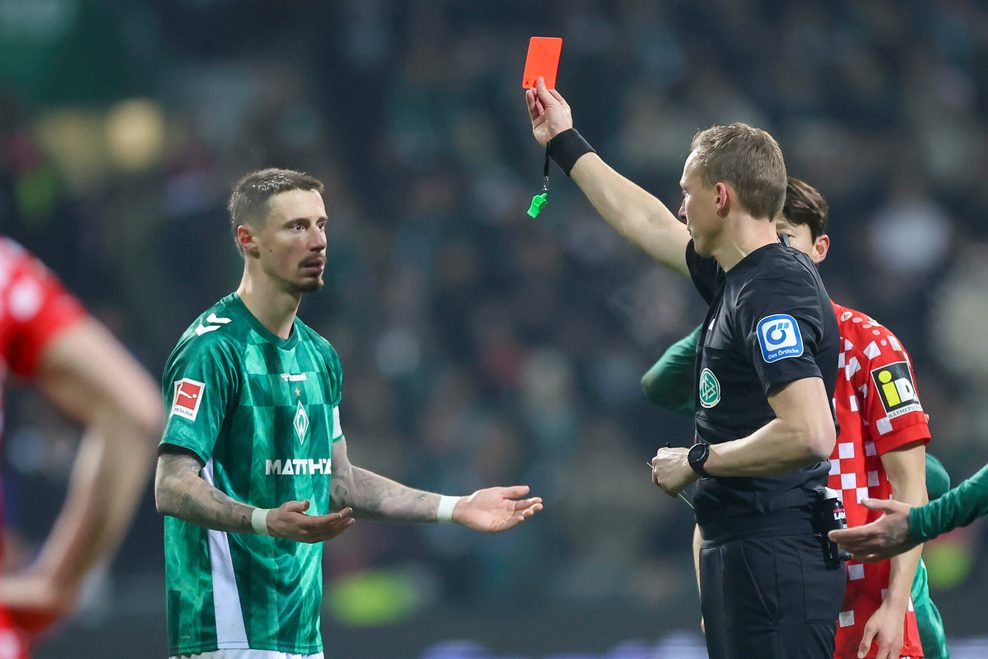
{"x":880,"y":448}
{"x":47,"y":339}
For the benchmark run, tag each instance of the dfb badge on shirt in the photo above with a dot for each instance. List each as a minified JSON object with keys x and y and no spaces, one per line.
{"x":779,"y":337}
{"x":188,"y":396}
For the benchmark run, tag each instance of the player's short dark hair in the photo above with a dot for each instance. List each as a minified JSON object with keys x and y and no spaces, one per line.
{"x":750,"y":160}
{"x":805,"y":205}
{"x":249,"y":199}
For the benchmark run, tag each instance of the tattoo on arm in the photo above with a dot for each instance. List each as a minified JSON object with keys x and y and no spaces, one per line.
{"x":181,"y":492}
{"x":375,"y":497}
{"x":341,"y":485}
{"x":382,"y":498}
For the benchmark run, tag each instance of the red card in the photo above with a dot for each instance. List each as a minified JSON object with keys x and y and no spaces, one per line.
{"x":542,"y":60}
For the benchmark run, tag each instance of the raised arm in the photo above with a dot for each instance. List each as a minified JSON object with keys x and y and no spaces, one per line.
{"x":490,"y":510}
{"x":637,"y":215}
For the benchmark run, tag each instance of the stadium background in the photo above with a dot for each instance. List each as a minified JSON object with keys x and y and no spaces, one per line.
{"x":481,"y":347}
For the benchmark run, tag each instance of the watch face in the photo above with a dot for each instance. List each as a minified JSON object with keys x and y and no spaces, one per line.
{"x":697,"y":454}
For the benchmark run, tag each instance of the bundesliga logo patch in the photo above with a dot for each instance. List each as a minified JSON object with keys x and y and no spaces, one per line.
{"x":894,"y":384}
{"x":188,"y":396}
{"x":779,"y":337}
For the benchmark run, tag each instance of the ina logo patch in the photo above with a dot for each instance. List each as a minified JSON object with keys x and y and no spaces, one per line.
{"x":709,"y":388}
{"x":779,"y":337}
{"x":894,"y":384}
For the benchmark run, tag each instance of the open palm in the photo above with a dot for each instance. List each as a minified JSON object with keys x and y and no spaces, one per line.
{"x":496,"y":509}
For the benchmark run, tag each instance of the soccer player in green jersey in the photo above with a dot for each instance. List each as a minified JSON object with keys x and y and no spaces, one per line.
{"x":253,"y":459}
{"x":669,"y":384}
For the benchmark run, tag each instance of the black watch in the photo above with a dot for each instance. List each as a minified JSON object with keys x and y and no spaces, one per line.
{"x":697,"y":457}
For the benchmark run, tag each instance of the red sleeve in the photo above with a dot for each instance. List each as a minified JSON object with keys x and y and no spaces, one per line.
{"x":35,"y":307}
{"x":891,"y":408}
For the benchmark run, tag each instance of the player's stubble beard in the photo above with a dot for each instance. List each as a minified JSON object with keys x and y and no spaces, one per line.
{"x":310,"y":284}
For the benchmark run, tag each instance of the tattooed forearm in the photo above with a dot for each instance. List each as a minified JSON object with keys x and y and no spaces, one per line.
{"x":378,"y":497}
{"x":341,"y":485}
{"x":375,"y":497}
{"x":179,"y":491}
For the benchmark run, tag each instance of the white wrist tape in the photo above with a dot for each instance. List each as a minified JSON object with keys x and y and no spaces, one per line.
{"x":259,"y":520}
{"x":446,"y":505}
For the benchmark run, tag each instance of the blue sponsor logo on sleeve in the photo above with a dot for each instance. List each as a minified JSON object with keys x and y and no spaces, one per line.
{"x":779,"y":337}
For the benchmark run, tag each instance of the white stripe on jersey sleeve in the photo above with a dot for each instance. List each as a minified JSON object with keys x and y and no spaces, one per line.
{"x":337,"y":431}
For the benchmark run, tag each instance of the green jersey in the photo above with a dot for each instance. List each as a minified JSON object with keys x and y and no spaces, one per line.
{"x":669,"y":383}
{"x":958,"y":507}
{"x":261,"y":413}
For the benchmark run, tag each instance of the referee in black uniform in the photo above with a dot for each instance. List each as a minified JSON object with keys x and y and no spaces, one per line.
{"x":766,"y":367}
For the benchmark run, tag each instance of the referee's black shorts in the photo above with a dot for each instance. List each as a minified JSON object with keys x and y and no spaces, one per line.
{"x":769,"y":598}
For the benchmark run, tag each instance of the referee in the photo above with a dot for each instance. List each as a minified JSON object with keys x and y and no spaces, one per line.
{"x":765,"y":373}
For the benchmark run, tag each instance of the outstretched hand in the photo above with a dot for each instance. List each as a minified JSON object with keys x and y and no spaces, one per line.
{"x":496,"y":509}
{"x":887,"y":536}
{"x":290,"y":521}
{"x":549,"y":111}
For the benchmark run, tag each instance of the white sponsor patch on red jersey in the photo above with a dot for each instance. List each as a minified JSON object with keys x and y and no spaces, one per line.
{"x":188,"y":396}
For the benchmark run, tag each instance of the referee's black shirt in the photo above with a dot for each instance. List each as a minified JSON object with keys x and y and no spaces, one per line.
{"x":770,"y":322}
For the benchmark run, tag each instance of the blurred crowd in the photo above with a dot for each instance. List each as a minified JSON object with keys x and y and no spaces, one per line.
{"x":480,"y":346}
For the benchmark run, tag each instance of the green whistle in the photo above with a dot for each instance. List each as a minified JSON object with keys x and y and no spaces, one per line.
{"x":538,"y":201}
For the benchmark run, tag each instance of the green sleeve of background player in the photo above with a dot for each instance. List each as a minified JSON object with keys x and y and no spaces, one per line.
{"x":928,"y":619}
{"x":931,"y":633}
{"x":958,"y":507}
{"x":937,"y":478}
{"x":669,"y":383}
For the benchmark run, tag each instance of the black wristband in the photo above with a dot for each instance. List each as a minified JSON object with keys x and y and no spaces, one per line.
{"x":567,"y":147}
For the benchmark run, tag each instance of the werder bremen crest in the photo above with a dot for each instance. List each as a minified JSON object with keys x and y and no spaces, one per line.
{"x":301,"y":423}
{"x":709,"y":388}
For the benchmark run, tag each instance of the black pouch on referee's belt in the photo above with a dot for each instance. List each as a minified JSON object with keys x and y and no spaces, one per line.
{"x":829,"y":515}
